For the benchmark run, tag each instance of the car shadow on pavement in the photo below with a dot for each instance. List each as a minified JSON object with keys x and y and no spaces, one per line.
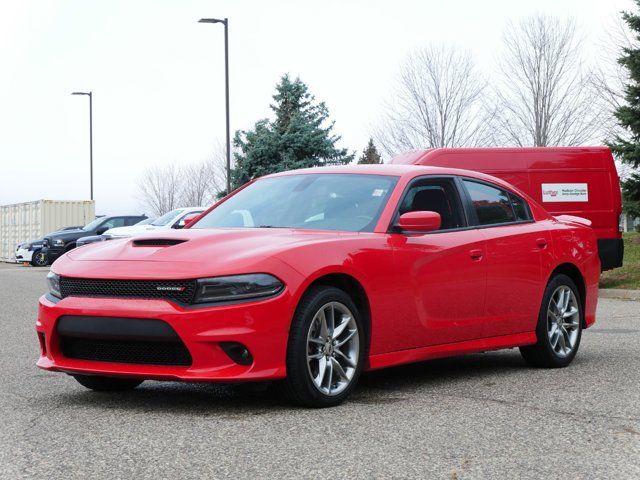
{"x":379,"y":387}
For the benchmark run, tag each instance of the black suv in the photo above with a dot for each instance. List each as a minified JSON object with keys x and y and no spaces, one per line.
{"x":57,"y":243}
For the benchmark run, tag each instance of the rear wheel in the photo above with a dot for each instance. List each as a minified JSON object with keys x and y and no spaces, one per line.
{"x":107,"y":384}
{"x":559,"y":325}
{"x":326,"y":349}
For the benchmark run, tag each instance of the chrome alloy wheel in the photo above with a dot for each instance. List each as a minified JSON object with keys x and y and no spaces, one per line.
{"x":563,"y":321}
{"x":333,"y":346}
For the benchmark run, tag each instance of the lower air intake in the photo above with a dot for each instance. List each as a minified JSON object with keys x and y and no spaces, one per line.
{"x":126,"y":351}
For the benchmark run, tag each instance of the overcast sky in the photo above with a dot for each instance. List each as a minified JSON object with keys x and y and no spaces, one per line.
{"x":158,"y":76}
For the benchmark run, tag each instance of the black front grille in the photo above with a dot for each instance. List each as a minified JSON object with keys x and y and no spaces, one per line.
{"x":125,"y":351}
{"x":181,"y":291}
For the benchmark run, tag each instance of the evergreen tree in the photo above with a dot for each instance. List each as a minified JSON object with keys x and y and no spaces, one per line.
{"x":628,"y":115}
{"x":631,"y":195}
{"x":299,"y":136}
{"x":370,"y":154}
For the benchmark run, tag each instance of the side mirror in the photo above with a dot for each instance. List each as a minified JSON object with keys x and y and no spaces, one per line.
{"x":186,"y":220}
{"x":101,"y":230}
{"x":420,"y":221}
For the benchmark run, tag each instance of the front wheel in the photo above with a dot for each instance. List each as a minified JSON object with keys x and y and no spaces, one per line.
{"x":39,"y":259}
{"x":326,"y":349}
{"x":107,"y":384}
{"x":559,"y":325}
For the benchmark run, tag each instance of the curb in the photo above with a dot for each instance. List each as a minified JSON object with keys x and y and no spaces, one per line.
{"x":619,"y":294}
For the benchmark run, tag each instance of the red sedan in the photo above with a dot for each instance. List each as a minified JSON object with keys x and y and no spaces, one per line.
{"x":311,"y":276}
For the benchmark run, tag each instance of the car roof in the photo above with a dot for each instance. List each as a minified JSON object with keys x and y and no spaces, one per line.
{"x":397,"y":170}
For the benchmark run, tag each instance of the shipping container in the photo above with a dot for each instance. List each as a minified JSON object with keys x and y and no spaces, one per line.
{"x":21,"y":222}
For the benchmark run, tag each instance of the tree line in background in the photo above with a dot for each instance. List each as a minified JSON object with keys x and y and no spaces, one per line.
{"x":163,"y":188}
{"x":543,"y":93}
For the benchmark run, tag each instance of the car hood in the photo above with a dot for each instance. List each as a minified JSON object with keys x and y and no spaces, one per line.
{"x":68,"y":234}
{"x":188,"y":253}
{"x":132,"y":230}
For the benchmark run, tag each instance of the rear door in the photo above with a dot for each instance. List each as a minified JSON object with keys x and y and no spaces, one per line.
{"x":514,"y":249}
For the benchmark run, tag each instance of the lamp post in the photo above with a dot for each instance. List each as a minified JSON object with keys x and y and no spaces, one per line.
{"x":90,"y":138}
{"x":225,"y":22}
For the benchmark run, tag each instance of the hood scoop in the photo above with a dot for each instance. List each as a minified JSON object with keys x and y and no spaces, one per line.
{"x":157,"y":242}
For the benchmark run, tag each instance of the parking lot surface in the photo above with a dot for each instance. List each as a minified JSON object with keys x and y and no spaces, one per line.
{"x":479,"y":416}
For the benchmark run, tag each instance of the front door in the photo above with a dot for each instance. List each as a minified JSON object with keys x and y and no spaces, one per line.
{"x":441,"y":275}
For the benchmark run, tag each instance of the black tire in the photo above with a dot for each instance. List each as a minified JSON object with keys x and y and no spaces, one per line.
{"x":39,"y":259}
{"x":299,"y":387}
{"x":107,"y":384}
{"x":543,"y":354}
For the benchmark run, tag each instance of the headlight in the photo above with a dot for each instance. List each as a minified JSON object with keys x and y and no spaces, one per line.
{"x":58,"y":243}
{"x":53,"y":281}
{"x":237,"y":287}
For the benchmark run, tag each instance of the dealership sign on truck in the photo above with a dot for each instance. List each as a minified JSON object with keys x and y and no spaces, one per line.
{"x":565,"y":192}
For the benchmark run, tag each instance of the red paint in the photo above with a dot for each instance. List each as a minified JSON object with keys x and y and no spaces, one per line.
{"x":420,"y":221}
{"x":528,"y":168}
{"x":435,"y":294}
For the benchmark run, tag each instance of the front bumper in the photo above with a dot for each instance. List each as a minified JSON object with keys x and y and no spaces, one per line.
{"x":262,"y":327}
{"x":23,"y":255}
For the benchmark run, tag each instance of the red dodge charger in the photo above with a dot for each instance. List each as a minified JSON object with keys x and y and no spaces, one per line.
{"x":310,"y":277}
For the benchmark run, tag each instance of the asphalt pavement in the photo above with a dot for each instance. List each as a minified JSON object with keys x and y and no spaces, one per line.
{"x":479,"y":416}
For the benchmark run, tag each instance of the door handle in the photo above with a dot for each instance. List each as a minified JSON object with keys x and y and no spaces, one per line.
{"x":541,"y":242}
{"x":475,"y":254}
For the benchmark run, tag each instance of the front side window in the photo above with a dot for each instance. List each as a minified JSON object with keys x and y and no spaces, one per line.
{"x":436,"y":195}
{"x":348,"y":202}
{"x":113,"y":223}
{"x":91,"y":226}
{"x":494,"y":205}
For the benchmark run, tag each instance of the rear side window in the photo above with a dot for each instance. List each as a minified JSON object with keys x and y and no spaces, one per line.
{"x":494,"y":205}
{"x":520,"y":208}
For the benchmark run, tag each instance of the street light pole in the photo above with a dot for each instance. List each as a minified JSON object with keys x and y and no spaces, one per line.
{"x":90,"y":95}
{"x":225,"y":22}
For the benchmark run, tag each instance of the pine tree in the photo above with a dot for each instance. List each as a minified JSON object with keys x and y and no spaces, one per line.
{"x":631,"y":195}
{"x":628,"y":115}
{"x":300,"y":136}
{"x":370,"y":154}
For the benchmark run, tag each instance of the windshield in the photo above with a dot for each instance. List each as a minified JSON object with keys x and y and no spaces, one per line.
{"x":349,"y":202}
{"x":146,"y":221}
{"x":165,"y":219}
{"x":89,"y":227}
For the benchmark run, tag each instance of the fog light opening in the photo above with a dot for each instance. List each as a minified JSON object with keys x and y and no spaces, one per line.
{"x":237,"y":352}
{"x":43,"y":344}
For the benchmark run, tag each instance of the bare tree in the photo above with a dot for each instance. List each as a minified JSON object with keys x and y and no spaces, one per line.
{"x":438,"y":103}
{"x":543,"y":96}
{"x":160,"y":188}
{"x":202,"y":183}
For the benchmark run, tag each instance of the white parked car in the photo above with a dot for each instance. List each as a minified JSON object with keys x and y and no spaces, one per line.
{"x":173,"y":219}
{"x":30,"y":252}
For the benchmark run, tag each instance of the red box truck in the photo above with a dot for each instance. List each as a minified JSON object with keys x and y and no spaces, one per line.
{"x":580,"y":181}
